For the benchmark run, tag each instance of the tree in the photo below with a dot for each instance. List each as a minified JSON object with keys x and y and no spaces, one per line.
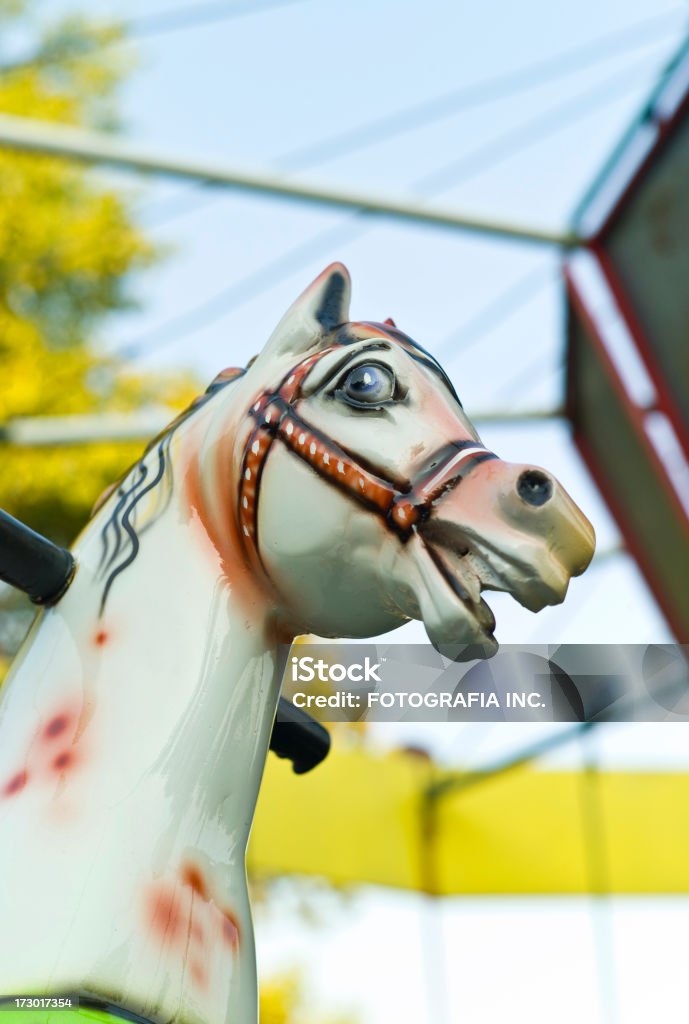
{"x":279,"y":998}
{"x":283,"y":999}
{"x":68,"y":248}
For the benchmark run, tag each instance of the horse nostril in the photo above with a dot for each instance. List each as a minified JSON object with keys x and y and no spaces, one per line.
{"x":535,"y":487}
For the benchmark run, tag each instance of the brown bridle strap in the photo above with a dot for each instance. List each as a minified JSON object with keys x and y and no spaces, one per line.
{"x":453,"y":463}
{"x":403,"y":505}
{"x":258,"y":446}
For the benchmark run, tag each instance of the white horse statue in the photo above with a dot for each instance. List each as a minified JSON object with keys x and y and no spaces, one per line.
{"x":335,"y":487}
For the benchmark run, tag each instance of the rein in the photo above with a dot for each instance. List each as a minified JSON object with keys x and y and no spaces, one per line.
{"x":402,"y":505}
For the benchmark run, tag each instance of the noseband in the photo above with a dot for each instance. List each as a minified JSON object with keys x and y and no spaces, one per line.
{"x":402,"y":505}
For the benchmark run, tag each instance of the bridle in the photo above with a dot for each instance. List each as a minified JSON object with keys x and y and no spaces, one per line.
{"x":401,"y":505}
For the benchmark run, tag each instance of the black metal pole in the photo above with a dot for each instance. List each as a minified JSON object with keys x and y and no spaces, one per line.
{"x":32,"y":563}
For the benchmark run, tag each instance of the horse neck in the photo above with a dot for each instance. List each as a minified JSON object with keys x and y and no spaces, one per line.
{"x":140,"y":723}
{"x":185,"y":635}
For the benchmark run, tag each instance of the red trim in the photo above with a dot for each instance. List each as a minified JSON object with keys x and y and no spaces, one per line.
{"x":635,"y":414}
{"x":666,"y":401}
{"x":570,"y":386}
{"x":666,"y":130}
{"x":636,"y":417}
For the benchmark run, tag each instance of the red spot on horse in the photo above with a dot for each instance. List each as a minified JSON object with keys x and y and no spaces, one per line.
{"x":101,"y":638}
{"x":56,"y":726}
{"x":165,"y":915}
{"x":16,"y":783}
{"x":230,"y":930}
{"x":198,"y":974}
{"x":63,"y":761}
{"x":191,"y":876}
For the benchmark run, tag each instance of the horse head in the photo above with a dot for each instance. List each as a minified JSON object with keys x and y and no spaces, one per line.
{"x":366,"y":497}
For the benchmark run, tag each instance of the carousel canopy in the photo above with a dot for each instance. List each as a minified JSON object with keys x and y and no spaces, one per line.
{"x":628,"y":340}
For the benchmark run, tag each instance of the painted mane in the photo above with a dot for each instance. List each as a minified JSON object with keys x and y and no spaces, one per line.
{"x":130,"y":515}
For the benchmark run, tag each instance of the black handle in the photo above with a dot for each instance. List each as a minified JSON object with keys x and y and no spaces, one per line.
{"x":32,"y":563}
{"x":299,"y":737}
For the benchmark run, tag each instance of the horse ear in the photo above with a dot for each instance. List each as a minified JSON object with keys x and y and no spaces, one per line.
{"x":319,"y":309}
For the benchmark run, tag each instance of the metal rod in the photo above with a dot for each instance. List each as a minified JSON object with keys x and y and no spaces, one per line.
{"x":48,"y":138}
{"x":53,"y":431}
{"x":32,"y":563}
{"x":466,"y":780}
{"x":454,"y":782}
{"x":517,"y":416}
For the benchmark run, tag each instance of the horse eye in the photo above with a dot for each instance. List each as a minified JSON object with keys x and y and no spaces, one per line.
{"x":368,"y":384}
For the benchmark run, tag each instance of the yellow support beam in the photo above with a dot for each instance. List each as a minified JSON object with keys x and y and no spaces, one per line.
{"x":361,"y":818}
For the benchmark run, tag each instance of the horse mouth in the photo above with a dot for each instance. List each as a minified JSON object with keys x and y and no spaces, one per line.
{"x":464,"y":578}
{"x":470,"y":564}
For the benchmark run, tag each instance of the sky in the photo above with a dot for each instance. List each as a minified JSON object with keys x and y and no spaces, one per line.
{"x":292,"y":88}
{"x":255,"y":89}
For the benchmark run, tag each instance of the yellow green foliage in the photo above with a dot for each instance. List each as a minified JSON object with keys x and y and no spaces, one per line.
{"x":279,"y":998}
{"x":283,"y":1000}
{"x":68,"y":245}
{"x":53,"y":489}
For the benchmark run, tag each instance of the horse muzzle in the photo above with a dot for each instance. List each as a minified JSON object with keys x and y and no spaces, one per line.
{"x":512,"y":528}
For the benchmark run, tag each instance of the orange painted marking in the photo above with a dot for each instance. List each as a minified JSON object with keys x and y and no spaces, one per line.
{"x":165,"y":915}
{"x":191,"y":876}
{"x":223,"y":537}
{"x":101,"y":638}
{"x":198,"y":974}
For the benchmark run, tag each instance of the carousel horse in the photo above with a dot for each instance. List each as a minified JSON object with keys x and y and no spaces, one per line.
{"x":337,"y":487}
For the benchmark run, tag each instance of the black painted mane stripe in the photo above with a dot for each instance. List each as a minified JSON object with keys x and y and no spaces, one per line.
{"x":120,"y":538}
{"x":125,"y":522}
{"x":114,"y":521}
